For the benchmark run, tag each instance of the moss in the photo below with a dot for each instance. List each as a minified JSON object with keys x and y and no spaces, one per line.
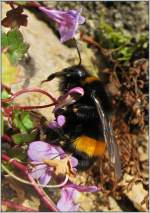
{"x":125,"y":46}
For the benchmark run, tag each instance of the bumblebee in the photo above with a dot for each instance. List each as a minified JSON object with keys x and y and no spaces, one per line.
{"x":88,"y":121}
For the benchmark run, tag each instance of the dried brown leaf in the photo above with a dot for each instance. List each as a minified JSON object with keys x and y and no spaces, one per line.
{"x":15,"y":18}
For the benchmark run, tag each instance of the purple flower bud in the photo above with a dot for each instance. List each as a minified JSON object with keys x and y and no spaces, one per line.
{"x":53,"y":125}
{"x":68,"y":21}
{"x":58,"y":123}
{"x":61,"y":120}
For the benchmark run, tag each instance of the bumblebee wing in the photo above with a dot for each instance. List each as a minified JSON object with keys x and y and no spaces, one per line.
{"x":108,"y":136}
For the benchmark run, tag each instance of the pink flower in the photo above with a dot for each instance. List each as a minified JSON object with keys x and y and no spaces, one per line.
{"x":69,"y":194}
{"x":69,"y":98}
{"x":37,"y":152}
{"x":68,"y":21}
{"x":67,"y":200}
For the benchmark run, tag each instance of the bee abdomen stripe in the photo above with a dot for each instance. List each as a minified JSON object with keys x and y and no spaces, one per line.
{"x":90,"y":146}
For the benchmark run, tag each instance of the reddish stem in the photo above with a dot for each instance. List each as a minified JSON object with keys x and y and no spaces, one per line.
{"x":17,"y":164}
{"x":43,"y":195}
{"x":29,"y":4}
{"x":26,"y":108}
{"x":34,"y":107}
{"x":48,"y":202}
{"x":6,"y":138}
{"x":28,"y":90}
{"x":14,"y":205}
{"x":89,"y":40}
{"x":104,"y":51}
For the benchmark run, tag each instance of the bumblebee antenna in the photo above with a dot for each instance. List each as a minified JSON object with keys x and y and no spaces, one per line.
{"x":78,"y":52}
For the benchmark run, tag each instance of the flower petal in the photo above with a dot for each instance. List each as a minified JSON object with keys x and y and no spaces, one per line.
{"x":77,"y":90}
{"x":67,"y":200}
{"x":81,"y":19}
{"x":53,"y":125}
{"x":39,"y":150}
{"x":45,"y":178}
{"x":68,"y":21}
{"x":69,"y":98}
{"x":55,"y":15}
{"x":61,"y":152}
{"x":66,"y":33}
{"x":74,"y":162}
{"x":38,"y":171}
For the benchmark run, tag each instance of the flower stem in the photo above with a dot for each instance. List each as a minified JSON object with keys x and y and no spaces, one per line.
{"x":13,"y":96}
{"x":15,"y":163}
{"x":20,"y":92}
{"x":6,"y":138}
{"x":29,"y":183}
{"x":48,"y":202}
{"x":29,"y":107}
{"x":14,"y":205}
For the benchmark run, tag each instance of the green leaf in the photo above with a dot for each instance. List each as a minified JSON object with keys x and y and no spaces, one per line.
{"x":125,"y":53}
{"x":112,"y":38}
{"x":23,"y":121}
{"x":4,"y":40}
{"x":21,"y":138}
{"x":13,"y":40}
{"x":27,"y":121}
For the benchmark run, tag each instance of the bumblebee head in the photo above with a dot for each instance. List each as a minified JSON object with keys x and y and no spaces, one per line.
{"x":75,"y":73}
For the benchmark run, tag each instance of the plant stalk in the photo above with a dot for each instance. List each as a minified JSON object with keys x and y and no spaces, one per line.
{"x":48,"y":202}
